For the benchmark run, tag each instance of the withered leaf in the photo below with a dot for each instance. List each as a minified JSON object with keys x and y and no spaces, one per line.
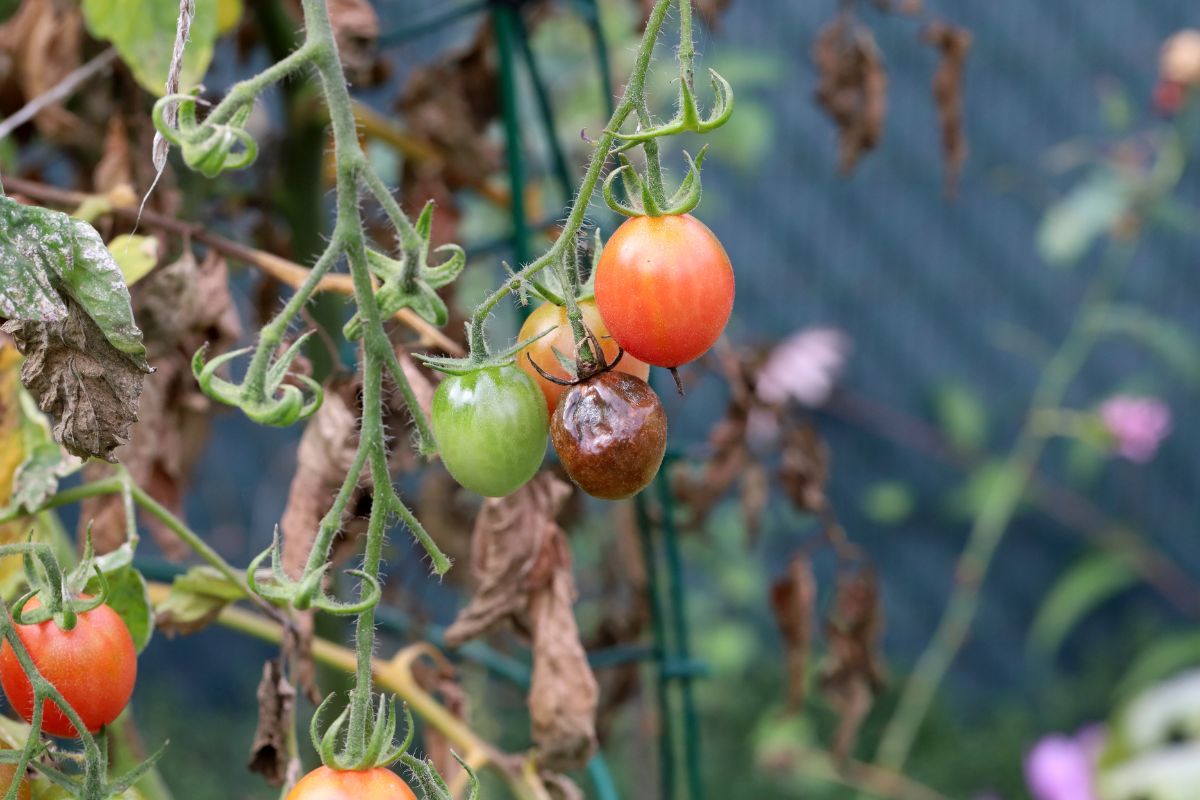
{"x":44,"y":41}
{"x":794,"y":599}
{"x":852,"y":88}
{"x":196,"y":599}
{"x":755,"y":492}
{"x":522,"y":564}
{"x":804,"y":467}
{"x":326,"y":452}
{"x":852,"y":672}
{"x":87,"y":385}
{"x":115,"y":167}
{"x":953,"y":43}
{"x":276,"y":706}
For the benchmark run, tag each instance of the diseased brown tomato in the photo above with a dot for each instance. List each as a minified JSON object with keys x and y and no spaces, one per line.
{"x":324,"y":783}
{"x":562,"y":339}
{"x":664,"y":287}
{"x":93,"y":666}
{"x":610,"y":433}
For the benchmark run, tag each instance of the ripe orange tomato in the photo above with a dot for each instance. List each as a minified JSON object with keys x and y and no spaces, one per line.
{"x":324,"y":783}
{"x":664,"y":286}
{"x":563,"y":340}
{"x":93,"y":666}
{"x":8,"y":773}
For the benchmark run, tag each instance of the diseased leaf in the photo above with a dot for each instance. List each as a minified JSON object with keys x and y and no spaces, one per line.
{"x":852,"y":671}
{"x":804,"y":467}
{"x":89,"y":387}
{"x":44,"y":461}
{"x":143,"y":31}
{"x":1086,"y":584}
{"x":276,"y":709}
{"x":195,"y":600}
{"x":44,"y":43}
{"x":794,"y":599}
{"x":953,"y":43}
{"x":127,"y":595}
{"x":853,"y":87}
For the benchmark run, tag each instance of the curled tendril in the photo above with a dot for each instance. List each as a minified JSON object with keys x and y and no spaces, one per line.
{"x":413,"y":282}
{"x":307,"y":592}
{"x":268,"y":401}
{"x":207,"y":147}
{"x":687,"y":118}
{"x":641,"y":199}
{"x":379,"y":751}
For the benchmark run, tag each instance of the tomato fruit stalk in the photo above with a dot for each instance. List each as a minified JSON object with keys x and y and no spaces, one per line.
{"x":664,"y":287}
{"x":610,"y":433}
{"x":562,"y":339}
{"x":490,"y":426}
{"x":324,"y":783}
{"x":93,"y":666}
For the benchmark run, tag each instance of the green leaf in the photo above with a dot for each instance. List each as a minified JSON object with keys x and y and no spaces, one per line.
{"x":1169,"y":341}
{"x":45,"y":254}
{"x":888,"y":503}
{"x":134,"y":255}
{"x":1084,"y":586}
{"x":127,"y":595}
{"x":962,"y":417}
{"x":1070,"y":226}
{"x":195,"y":600}
{"x":143,"y":31}
{"x":8,"y":8}
{"x":1160,"y":660}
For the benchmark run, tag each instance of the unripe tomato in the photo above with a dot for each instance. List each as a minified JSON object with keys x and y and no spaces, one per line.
{"x":324,"y":783}
{"x":490,"y":427}
{"x":548,"y":315}
{"x":93,"y":666}
{"x":664,"y":287}
{"x":610,"y":433}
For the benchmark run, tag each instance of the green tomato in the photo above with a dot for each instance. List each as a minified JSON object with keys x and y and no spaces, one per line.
{"x":491,"y":427}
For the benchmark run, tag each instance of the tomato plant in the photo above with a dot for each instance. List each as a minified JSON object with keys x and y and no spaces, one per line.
{"x":562,"y":339}
{"x":664,"y":286}
{"x":610,"y":433}
{"x":8,"y":773}
{"x":93,"y":666}
{"x":491,"y":428}
{"x":324,"y":783}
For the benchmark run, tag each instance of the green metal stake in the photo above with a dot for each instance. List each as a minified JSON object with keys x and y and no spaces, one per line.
{"x":666,"y":740}
{"x":545,"y":112}
{"x":505,"y":21}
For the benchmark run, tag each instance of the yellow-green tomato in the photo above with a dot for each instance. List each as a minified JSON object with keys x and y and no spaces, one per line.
{"x":491,"y":426}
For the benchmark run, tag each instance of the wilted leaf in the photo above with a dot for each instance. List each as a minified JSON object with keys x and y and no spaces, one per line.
{"x":115,"y":166}
{"x":196,"y":599}
{"x":45,"y":41}
{"x":953,"y":43}
{"x":521,"y":563}
{"x":852,"y":671}
{"x":276,"y":708}
{"x":852,"y":88}
{"x":804,"y":467}
{"x":793,"y":599}
{"x":143,"y":31}
{"x":89,"y":387}
{"x":127,"y":595}
{"x":1078,"y":591}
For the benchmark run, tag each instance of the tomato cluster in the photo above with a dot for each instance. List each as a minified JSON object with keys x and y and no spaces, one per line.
{"x":93,"y":666}
{"x":663,"y":294}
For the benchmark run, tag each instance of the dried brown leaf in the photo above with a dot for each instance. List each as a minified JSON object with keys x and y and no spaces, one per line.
{"x":852,"y":88}
{"x":804,"y":467}
{"x":953,"y":43}
{"x":115,"y":167}
{"x":89,"y":387}
{"x":755,"y":492}
{"x":276,"y":707}
{"x":794,"y":599}
{"x":44,"y":40}
{"x":853,"y":672}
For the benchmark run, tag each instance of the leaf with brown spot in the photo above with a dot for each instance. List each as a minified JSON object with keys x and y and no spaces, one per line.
{"x":953,"y":43}
{"x":852,"y":672}
{"x":804,"y":467}
{"x":794,"y":600}
{"x":852,"y":88}
{"x":276,"y":707}
{"x":89,"y":387}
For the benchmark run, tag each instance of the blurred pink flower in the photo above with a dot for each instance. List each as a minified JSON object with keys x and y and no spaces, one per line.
{"x":1061,"y":767}
{"x":804,"y":367}
{"x":1139,"y":424}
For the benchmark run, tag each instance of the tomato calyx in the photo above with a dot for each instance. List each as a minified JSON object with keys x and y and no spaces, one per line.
{"x":59,"y":595}
{"x":478,"y":360}
{"x":267,"y":400}
{"x":307,"y":592}
{"x":379,"y":750}
{"x":583,"y":368}
{"x":687,"y":117}
{"x":641,"y":199}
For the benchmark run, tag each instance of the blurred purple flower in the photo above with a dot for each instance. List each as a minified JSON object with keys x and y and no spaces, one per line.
{"x":804,"y":367}
{"x":1139,"y":424}
{"x":1061,"y":767}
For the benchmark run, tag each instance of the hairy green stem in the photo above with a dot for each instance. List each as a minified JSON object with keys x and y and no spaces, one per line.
{"x":245,"y":92}
{"x":687,"y":48}
{"x":634,"y":91}
{"x":993,"y":518}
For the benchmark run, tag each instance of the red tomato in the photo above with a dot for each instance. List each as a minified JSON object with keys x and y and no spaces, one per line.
{"x":664,"y":287}
{"x":563,"y":340}
{"x":324,"y":783}
{"x":93,"y":666}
